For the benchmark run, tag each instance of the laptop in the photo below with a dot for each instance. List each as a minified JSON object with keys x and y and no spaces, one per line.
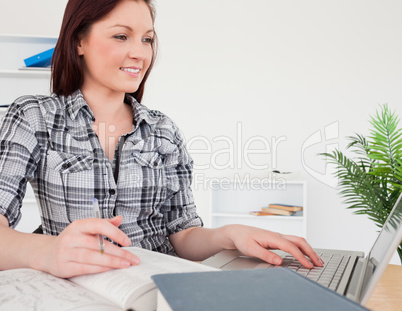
{"x":349,"y":273}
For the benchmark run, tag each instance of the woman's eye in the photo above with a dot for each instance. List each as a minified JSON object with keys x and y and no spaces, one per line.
{"x":121,"y":37}
{"x":148,"y":40}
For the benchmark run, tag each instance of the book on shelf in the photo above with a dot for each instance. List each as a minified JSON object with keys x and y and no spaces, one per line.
{"x":120,"y":289}
{"x":277,"y":211}
{"x":42,"y":59}
{"x":260,"y":213}
{"x":286,"y":207}
{"x":275,"y":289}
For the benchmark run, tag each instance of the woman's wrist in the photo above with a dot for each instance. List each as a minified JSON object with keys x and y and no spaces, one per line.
{"x":39,"y":257}
{"x":227,"y":234}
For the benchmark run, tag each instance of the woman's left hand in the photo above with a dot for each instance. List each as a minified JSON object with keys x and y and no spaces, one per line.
{"x":257,"y":242}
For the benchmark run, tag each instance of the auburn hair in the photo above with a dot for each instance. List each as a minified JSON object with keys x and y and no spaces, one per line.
{"x":67,"y":72}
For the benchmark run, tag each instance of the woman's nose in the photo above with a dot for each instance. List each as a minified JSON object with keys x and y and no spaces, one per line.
{"x":139,"y":50}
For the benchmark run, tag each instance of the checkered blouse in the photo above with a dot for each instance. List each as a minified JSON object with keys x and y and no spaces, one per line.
{"x":49,"y":142}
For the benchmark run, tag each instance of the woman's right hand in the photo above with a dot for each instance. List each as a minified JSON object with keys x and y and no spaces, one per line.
{"x":76,"y":251}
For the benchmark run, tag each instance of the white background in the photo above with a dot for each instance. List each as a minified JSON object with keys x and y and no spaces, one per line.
{"x":276,"y":69}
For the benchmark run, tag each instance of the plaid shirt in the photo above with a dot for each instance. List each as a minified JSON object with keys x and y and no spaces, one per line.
{"x":49,"y":141}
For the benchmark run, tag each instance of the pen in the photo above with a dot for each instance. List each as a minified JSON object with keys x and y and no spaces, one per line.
{"x":101,"y":241}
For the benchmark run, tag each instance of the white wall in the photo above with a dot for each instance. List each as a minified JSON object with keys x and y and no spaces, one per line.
{"x":229,"y":71}
{"x":24,"y":17}
{"x":282,"y":69}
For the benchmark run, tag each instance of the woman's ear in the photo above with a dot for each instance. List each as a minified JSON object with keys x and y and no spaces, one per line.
{"x":80,"y":47}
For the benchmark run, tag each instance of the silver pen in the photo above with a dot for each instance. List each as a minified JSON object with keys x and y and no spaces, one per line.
{"x":101,"y":240}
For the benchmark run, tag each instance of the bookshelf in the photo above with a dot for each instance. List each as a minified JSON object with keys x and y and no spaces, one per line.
{"x":231,"y":202}
{"x":16,"y":81}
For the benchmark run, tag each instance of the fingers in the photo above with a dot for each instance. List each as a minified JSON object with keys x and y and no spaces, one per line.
{"x":264,"y":254}
{"x":115,"y":259}
{"x":121,"y":256}
{"x":299,"y":249}
{"x":81,"y":269}
{"x":273,"y":258}
{"x":106,"y":227}
{"x":257,"y":242}
{"x":298,"y":254}
{"x":116,"y":221}
{"x":76,"y":250}
{"x":306,"y":249}
{"x":84,"y":257}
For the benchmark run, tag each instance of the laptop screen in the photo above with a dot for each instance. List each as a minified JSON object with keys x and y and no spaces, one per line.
{"x":386,"y":244}
{"x":387,"y":235}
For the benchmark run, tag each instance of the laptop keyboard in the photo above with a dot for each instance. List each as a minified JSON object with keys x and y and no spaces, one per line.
{"x":328,"y":276}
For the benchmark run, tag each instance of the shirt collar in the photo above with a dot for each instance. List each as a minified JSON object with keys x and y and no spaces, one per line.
{"x":141,"y":112}
{"x":75,"y":102}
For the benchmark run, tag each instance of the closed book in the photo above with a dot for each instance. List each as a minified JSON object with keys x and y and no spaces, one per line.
{"x":42,"y":59}
{"x":275,"y":289}
{"x":259,"y":213}
{"x":286,"y":207}
{"x":276,"y":211}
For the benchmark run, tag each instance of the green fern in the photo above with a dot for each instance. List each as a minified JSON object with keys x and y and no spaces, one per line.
{"x":372,"y":182}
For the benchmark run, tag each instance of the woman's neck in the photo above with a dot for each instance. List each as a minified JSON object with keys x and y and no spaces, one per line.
{"x":113,"y":118}
{"x":105,"y":107}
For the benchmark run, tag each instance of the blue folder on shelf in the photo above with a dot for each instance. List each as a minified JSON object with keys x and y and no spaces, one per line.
{"x":42,"y":59}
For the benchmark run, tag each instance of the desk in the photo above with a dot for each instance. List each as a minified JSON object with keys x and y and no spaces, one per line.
{"x":387,"y":296}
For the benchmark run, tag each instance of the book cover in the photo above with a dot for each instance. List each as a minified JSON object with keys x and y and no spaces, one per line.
{"x":275,"y":289}
{"x":260,"y":213}
{"x":42,"y":59}
{"x":276,"y":211}
{"x":286,"y":207}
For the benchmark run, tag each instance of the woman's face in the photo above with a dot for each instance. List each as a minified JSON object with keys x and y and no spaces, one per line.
{"x":117,"y":51}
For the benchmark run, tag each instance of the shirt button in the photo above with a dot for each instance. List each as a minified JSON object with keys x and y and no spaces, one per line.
{"x":66,"y":165}
{"x":155,"y":164}
{"x":112,"y":191}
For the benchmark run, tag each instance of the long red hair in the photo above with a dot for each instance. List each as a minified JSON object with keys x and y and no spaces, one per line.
{"x":79,"y":15}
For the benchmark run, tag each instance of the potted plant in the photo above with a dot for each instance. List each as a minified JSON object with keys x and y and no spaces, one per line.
{"x":371,"y":180}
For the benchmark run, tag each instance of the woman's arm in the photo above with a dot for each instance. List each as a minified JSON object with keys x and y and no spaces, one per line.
{"x":199,"y":243}
{"x":74,"y":252}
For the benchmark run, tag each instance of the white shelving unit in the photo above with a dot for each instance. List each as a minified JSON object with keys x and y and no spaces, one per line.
{"x":232,"y":201}
{"x":16,"y":81}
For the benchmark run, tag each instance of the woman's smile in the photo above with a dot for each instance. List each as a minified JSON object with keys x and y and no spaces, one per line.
{"x":132,"y":71}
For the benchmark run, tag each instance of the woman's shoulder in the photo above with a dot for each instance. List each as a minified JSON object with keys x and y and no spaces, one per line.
{"x":37,"y":110}
{"x":45,"y":102}
{"x":157,"y":119}
{"x":152,"y":116}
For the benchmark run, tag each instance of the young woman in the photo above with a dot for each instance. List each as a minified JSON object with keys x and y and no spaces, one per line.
{"x":93,"y":139}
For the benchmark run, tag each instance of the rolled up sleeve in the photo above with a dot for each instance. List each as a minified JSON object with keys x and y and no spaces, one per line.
{"x":180,"y":211}
{"x":18,"y":153}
